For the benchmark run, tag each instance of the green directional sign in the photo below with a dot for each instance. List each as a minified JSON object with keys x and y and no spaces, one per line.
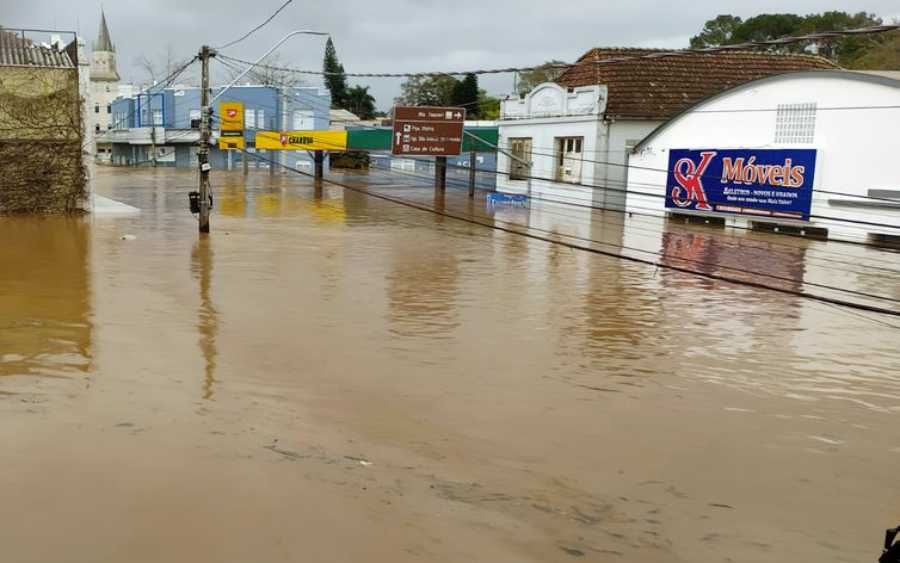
{"x":478,"y":139}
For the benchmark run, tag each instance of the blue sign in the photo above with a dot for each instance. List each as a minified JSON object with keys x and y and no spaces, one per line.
{"x":514,"y":200}
{"x":773,"y":183}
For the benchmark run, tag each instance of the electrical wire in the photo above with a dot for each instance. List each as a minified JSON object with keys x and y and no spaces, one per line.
{"x":255,"y":29}
{"x":668,"y":256}
{"x":778,"y":42}
{"x":662,"y":265}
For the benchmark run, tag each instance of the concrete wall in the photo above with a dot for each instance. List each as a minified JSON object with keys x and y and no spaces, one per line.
{"x":857,"y":148}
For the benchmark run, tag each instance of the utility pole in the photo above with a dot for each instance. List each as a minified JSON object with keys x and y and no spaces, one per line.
{"x":203,"y":153}
{"x":284,"y":124}
{"x":440,"y":172}
{"x":473,"y":160}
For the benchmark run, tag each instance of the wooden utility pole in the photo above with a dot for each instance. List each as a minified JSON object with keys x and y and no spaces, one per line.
{"x":320,"y":165}
{"x":203,"y":153}
{"x":440,"y":172}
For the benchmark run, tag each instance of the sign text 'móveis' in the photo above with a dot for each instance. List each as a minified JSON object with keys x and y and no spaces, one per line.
{"x":775,"y":183}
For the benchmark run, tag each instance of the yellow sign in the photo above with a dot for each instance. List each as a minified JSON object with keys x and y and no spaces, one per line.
{"x":302,"y":140}
{"x":232,"y":143}
{"x":231,"y":115}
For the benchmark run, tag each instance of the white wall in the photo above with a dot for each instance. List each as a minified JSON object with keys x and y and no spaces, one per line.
{"x":543,"y":134}
{"x":622,"y":136}
{"x":857,"y":148}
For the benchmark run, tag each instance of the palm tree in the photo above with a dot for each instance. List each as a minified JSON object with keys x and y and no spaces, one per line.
{"x":360,"y":102}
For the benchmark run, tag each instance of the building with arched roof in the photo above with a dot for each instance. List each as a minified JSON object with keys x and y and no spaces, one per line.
{"x":809,"y":152}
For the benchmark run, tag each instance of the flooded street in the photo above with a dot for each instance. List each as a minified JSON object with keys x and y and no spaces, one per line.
{"x":335,"y":377}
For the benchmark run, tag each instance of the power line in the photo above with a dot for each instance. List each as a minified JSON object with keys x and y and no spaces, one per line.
{"x":718,"y":277}
{"x":257,"y":28}
{"x":778,"y":42}
{"x":664,"y":255}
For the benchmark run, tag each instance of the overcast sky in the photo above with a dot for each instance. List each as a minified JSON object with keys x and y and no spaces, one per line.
{"x":402,"y":35}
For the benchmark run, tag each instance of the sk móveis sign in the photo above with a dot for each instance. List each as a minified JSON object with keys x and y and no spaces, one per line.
{"x":772,"y":183}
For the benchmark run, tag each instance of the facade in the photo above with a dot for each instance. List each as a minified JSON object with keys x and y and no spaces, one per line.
{"x":849,"y":119}
{"x":105,"y":87}
{"x":569,"y":140}
{"x":44,"y":162}
{"x":163,"y":125}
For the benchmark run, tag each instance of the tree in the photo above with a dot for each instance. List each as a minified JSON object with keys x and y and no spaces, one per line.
{"x":547,"y":72}
{"x":155,"y":70}
{"x":885,"y":56}
{"x":465,"y":94}
{"x":360,"y":102}
{"x":845,"y":51}
{"x":488,"y":106}
{"x":270,"y":73}
{"x":716,"y":32}
{"x":729,"y":30}
{"x":335,"y":77}
{"x":430,"y":91}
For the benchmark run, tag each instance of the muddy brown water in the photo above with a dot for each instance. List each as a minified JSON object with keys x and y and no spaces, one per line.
{"x":333,"y":377}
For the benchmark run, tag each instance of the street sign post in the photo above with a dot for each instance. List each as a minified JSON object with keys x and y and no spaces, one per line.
{"x":428,"y":131}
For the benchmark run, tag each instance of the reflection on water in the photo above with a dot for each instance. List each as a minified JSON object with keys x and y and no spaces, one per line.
{"x":341,"y":325}
{"x":45,"y":296}
{"x":207,"y":315}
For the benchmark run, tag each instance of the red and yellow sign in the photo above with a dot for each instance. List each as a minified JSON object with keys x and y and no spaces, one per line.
{"x":301,"y":140}
{"x":231,"y":115}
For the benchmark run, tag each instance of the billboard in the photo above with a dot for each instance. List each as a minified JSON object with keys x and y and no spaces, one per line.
{"x":769,"y":183}
{"x":231,"y":115}
{"x":301,"y":140}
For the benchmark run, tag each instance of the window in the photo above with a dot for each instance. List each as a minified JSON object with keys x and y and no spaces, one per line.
{"x":304,"y":120}
{"x":261,"y":119}
{"x":249,"y":119}
{"x":109,"y":125}
{"x":519,"y":166}
{"x":157,"y":117}
{"x":108,"y":109}
{"x":569,"y":159}
{"x":795,"y":123}
{"x":97,"y":128}
{"x":96,"y":108}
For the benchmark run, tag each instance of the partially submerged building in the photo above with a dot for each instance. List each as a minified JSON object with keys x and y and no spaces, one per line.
{"x":807,"y":152}
{"x":162,"y":125}
{"x":570,"y":139}
{"x":44,"y":145}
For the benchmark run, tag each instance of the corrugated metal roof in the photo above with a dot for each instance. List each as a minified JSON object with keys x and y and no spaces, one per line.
{"x":18,"y":51}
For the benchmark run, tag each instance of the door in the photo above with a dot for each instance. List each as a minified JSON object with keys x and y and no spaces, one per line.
{"x":569,"y":159}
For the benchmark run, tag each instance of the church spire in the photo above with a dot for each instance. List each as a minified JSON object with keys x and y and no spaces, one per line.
{"x":103,"y":41}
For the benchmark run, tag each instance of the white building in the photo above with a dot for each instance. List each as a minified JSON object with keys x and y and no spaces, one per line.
{"x":571,"y":138}
{"x":850,"y":119}
{"x":104,"y":89}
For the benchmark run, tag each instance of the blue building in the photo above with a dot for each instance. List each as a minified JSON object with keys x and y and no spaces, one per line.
{"x":169,"y":120}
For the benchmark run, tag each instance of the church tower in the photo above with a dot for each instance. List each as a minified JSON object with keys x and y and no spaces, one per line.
{"x":104,"y":84}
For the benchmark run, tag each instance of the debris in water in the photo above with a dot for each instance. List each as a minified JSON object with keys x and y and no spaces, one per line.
{"x":129,"y":237}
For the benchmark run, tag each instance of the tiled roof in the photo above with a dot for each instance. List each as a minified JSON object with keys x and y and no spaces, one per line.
{"x":17,"y":51}
{"x":658,"y":88}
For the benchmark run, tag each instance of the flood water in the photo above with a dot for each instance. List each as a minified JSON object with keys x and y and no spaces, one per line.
{"x":331,"y":376}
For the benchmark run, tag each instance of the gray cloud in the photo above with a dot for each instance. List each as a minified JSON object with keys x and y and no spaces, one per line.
{"x":402,"y":35}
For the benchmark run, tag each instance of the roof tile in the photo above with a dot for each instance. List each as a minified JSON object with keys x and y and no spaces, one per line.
{"x":662,"y":86}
